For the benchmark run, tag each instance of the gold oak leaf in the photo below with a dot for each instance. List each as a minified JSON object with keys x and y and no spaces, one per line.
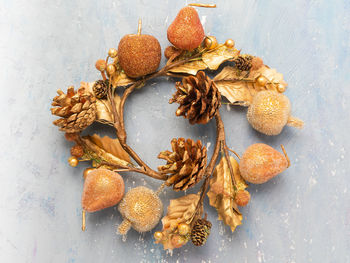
{"x":191,"y":67}
{"x":211,"y":59}
{"x":214,"y":58}
{"x":221,"y":193}
{"x":107,"y":149}
{"x":239,"y":90}
{"x":119,"y":78}
{"x":180,"y":210}
{"x":271,"y":74}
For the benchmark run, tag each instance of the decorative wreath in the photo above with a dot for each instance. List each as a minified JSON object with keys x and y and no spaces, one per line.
{"x":242,"y":79}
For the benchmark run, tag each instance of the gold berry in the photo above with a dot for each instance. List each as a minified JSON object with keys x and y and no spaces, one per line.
{"x":110,"y":69}
{"x":73,"y":161}
{"x":112,"y":52}
{"x":210,"y":42}
{"x":230,"y":43}
{"x":77,"y":151}
{"x":158,"y":235}
{"x":281,"y":88}
{"x":71,"y":136}
{"x":178,"y":241}
{"x":87,"y":171}
{"x":261,"y":81}
{"x":242,"y":197}
{"x":184,"y":229}
{"x":101,"y":65}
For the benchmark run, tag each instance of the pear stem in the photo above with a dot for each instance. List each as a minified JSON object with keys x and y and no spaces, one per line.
{"x":285,"y":154}
{"x":139,"y":28}
{"x":83,"y":225}
{"x":295,"y":122}
{"x":203,"y":5}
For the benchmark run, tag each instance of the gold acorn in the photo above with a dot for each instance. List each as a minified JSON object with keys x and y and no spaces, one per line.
{"x":141,"y":209}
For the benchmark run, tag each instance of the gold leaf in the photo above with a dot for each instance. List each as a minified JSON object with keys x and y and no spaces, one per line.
{"x":120,"y":79}
{"x":221,"y":193}
{"x":271,"y":74}
{"x":107,"y":149}
{"x":214,"y":58}
{"x":236,"y":92}
{"x":239,"y":90}
{"x":191,"y":67}
{"x":180,"y":210}
{"x":103,"y":107}
{"x":111,"y":146}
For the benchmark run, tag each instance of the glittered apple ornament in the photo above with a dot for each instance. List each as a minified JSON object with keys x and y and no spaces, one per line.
{"x":270,"y":111}
{"x":186,"y":31}
{"x":141,"y":209}
{"x":261,"y":162}
{"x":102,"y":188}
{"x":139,"y":55}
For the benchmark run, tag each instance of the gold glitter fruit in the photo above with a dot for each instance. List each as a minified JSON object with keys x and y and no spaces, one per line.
{"x":141,"y":209}
{"x":261,"y":162}
{"x":270,"y":112}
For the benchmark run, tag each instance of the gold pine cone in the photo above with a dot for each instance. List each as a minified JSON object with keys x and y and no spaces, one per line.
{"x":244,"y":62}
{"x":200,"y":232}
{"x":185,"y":165}
{"x":77,"y":109}
{"x":199,"y":98}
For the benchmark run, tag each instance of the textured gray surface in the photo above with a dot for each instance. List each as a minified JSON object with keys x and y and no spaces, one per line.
{"x":301,"y":216}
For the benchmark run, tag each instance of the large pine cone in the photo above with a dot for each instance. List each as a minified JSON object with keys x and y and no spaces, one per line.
{"x":185,"y":164}
{"x":199,"y":98}
{"x":76,"y":109}
{"x":200,"y":232}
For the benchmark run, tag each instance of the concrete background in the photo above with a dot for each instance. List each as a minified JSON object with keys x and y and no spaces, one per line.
{"x":301,"y":216}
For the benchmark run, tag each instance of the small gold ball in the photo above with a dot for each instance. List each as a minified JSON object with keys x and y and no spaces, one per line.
{"x":112,"y":52}
{"x":87,"y":171}
{"x":261,"y":81}
{"x":101,"y":65}
{"x":210,"y":42}
{"x":184,"y":229}
{"x":281,"y":88}
{"x":110,"y":69}
{"x":158,"y":235}
{"x":178,"y":241}
{"x":73,"y":161}
{"x":230,"y":43}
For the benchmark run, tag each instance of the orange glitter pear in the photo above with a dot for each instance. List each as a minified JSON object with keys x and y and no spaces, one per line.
{"x":186,"y":31}
{"x":102,"y":188}
{"x":261,"y":162}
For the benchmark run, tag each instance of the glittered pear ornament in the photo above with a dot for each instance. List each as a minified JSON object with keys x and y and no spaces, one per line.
{"x":261,"y":162}
{"x":102,"y":188}
{"x":141,"y":209}
{"x":186,"y":31}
